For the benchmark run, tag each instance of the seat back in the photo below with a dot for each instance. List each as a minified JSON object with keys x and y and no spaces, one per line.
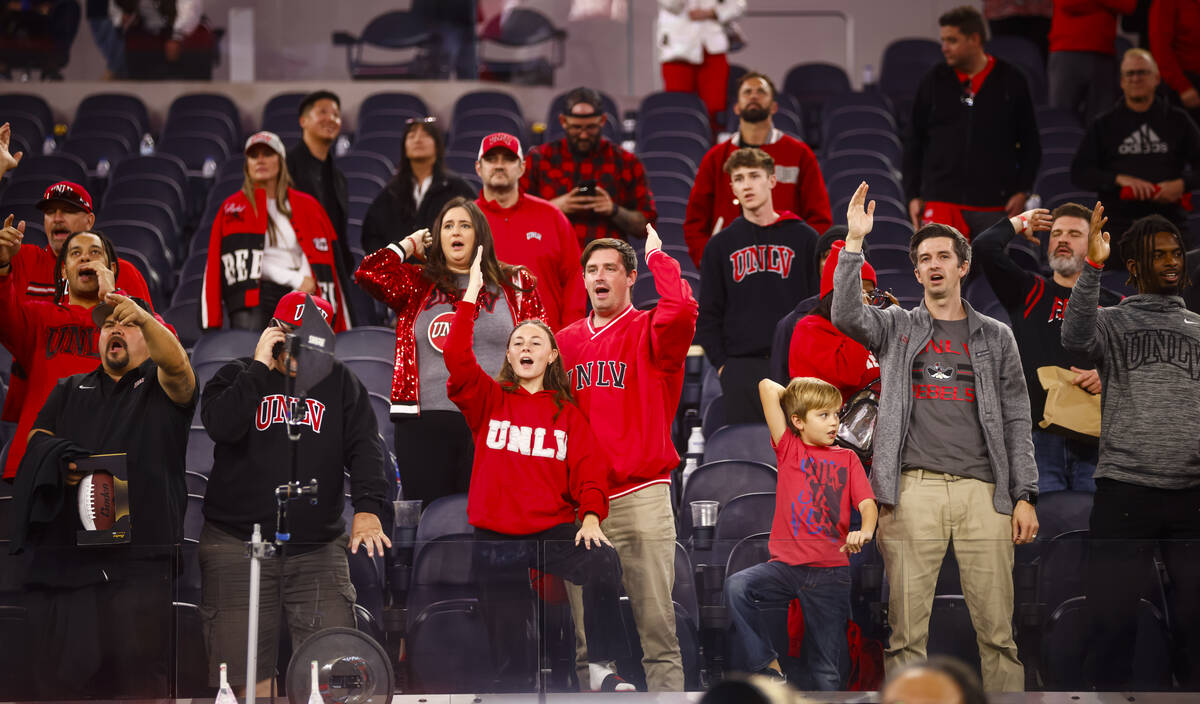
{"x":721,"y":481}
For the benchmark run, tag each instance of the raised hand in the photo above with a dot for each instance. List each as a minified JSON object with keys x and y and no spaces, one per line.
{"x":10,"y":239}
{"x":475,"y":278}
{"x":8,"y":160}
{"x":860,"y":215}
{"x":1030,"y":222}
{"x":1098,"y":240}
{"x":126,"y":311}
{"x":653,"y":241}
{"x":419,"y":241}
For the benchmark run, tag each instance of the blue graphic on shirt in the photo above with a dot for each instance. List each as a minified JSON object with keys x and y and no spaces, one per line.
{"x":816,"y":511}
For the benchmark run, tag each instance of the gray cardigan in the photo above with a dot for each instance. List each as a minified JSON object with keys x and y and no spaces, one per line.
{"x":896,"y":336}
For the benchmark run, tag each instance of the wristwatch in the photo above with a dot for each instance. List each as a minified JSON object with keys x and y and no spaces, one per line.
{"x":1029,"y":497}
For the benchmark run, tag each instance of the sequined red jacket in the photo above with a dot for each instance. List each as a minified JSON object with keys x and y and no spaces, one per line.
{"x":388,"y":278}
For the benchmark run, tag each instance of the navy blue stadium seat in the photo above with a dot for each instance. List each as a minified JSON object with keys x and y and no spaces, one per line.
{"x":157,"y":164}
{"x":1064,"y":645}
{"x":856,"y":117}
{"x":485,"y":99}
{"x":216,"y":124}
{"x":722,"y":481}
{"x":145,"y":237}
{"x":154,"y":270}
{"x":197,"y":483}
{"x":852,"y":160}
{"x":200,"y":103}
{"x":748,"y":552}
{"x":407,"y":102}
{"x":107,"y":123}
{"x":905,"y":62}
{"x":390,"y":145}
{"x":740,"y":441}
{"x":381,"y":407}
{"x":669,"y":184}
{"x":1048,"y":116}
{"x":366,"y":342}
{"x":126,"y":103}
{"x":51,"y":168}
{"x":95,"y":150}
{"x":1026,"y":56}
{"x":742,"y":517}
{"x":667,"y":162}
{"x":31,"y":104}
{"x":396,"y":31}
{"x":890,"y":256}
{"x":27,"y":133}
{"x":222,"y":345}
{"x":485,"y":121}
{"x":1054,"y":182}
{"x":885,"y":206}
{"x":160,"y":189}
{"x":688,"y":144}
{"x":284,"y":106}
{"x":446,"y":515}
{"x":842,"y":186}
{"x":199,"y":452}
{"x":185,"y":317}
{"x":882,"y":142}
{"x":672,"y":119}
{"x":815,"y":83}
{"x":194,"y":148}
{"x":356,"y":162}
{"x":383,"y":121}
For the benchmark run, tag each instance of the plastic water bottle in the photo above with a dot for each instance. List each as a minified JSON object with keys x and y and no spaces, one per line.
{"x":1033,"y":201}
{"x":147,"y":146}
{"x":695,"y":451}
{"x":49,"y":145}
{"x":225,"y":694}
{"x":102,"y":168}
{"x":868,"y":75}
{"x":314,"y":693}
{"x":209,"y":169}
{"x":341,"y":146}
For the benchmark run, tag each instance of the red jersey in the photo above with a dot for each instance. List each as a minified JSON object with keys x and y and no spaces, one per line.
{"x":627,"y":377}
{"x":799,"y":188}
{"x":536,"y":466}
{"x":535,"y":234}
{"x":49,"y":341}
{"x":33,"y":278}
{"x":818,"y":488}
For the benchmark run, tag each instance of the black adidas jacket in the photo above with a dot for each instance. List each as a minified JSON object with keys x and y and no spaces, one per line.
{"x":1157,"y":145}
{"x":978,"y":154}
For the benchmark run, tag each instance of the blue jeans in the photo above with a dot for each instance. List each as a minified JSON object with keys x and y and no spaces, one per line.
{"x":1064,"y":463}
{"x":824,"y":594}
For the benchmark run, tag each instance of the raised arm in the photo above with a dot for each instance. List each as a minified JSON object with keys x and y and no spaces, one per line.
{"x":866,"y":324}
{"x":469,"y":387}
{"x":769,"y":393}
{"x":8,"y":160}
{"x":1081,"y":320}
{"x":673,"y":322}
{"x":1009,"y":280}
{"x":387,"y":275}
{"x":175,"y":372}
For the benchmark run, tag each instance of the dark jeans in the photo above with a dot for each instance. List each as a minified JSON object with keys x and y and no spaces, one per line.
{"x":437,"y":450}
{"x":739,"y":388}
{"x":503,"y":563}
{"x":824,"y":594}
{"x":1128,"y":521}
{"x":1064,"y":463}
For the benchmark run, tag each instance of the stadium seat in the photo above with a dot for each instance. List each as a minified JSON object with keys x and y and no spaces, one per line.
{"x":27,"y":134}
{"x":667,"y":162}
{"x":688,"y":144}
{"x":672,"y":119}
{"x":95,"y":150}
{"x":852,"y":160}
{"x":199,"y":103}
{"x":742,"y":517}
{"x":485,"y":99}
{"x":882,"y":142}
{"x":713,"y":416}
{"x":722,"y":481}
{"x":222,"y":345}
{"x":446,"y":515}
{"x":1048,"y":116}
{"x":1063,"y":511}
{"x":740,"y":441}
{"x":126,"y":103}
{"x":669,"y":184}
{"x":748,"y":552}
{"x":364,"y":185}
{"x":1054,"y":182}
{"x":1026,"y":56}
{"x":395,"y":31}
{"x":366,"y":342}
{"x":50,"y":168}
{"x":814,"y":83}
{"x":196,"y":482}
{"x":195,"y":148}
{"x":31,"y":104}
{"x":383,"y":420}
{"x":856,"y":117}
{"x":392,"y":100}
{"x":209,"y":122}
{"x":485,"y":121}
{"x":159,"y":189}
{"x":184,"y":316}
{"x":389,"y":145}
{"x":905,"y":62}
{"x":890,"y":256}
{"x":286,"y":104}
{"x":1065,"y":643}
{"x":519,"y":30}
{"x":106,"y":123}
{"x":199,"y":453}
{"x":885,"y":206}
{"x":157,"y":164}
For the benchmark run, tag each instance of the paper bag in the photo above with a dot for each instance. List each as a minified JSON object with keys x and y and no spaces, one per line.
{"x":1069,"y":409}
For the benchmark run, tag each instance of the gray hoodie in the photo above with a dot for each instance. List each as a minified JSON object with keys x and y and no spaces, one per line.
{"x":896,"y":336}
{"x":1147,"y":349}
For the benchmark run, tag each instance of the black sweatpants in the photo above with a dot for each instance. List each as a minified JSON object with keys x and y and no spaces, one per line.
{"x":434,"y":452}
{"x":1128,"y":521}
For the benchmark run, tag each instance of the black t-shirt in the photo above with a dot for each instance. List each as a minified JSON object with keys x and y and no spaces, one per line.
{"x":134,"y":416}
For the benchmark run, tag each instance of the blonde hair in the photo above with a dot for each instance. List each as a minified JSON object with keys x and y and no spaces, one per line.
{"x":1141,"y":54}
{"x":806,"y":393}
{"x":282,"y":184}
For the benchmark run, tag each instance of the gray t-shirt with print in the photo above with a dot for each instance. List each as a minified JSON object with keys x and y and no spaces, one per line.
{"x":944,"y":433}
{"x":432,"y":327}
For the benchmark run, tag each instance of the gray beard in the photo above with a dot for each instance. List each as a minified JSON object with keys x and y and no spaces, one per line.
{"x":1066,"y":265}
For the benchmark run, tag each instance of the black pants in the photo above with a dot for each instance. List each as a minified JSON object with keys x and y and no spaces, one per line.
{"x":434,"y":452}
{"x":502,"y":563}
{"x":739,"y":388}
{"x":1035,"y":28}
{"x":256,"y":319}
{"x":1127,"y":523}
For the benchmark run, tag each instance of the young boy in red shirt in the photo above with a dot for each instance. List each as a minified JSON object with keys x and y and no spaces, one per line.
{"x":810,"y":537}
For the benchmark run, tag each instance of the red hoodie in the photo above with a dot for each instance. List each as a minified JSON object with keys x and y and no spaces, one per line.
{"x":628,"y":376}
{"x":1087,"y":25}
{"x":536,"y":466}
{"x":819,"y":349}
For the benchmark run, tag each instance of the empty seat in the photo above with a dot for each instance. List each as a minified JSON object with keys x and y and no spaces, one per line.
{"x":721,"y":481}
{"x":107,"y":123}
{"x":366,"y":342}
{"x":185,"y":317}
{"x":212,"y":123}
{"x":742,"y":517}
{"x":741,"y":441}
{"x":194,"y":149}
{"x":191,"y":103}
{"x":222,"y":345}
{"x":51,"y":168}
{"x":126,"y":103}
{"x":407,"y":102}
{"x":158,"y":164}
{"x":905,"y":62}
{"x":199,"y":452}
{"x":31,"y":104}
{"x":356,"y":162}
{"x":387,"y":144}
{"x":485,"y":99}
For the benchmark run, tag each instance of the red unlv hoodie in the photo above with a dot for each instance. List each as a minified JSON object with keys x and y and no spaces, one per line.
{"x":536,"y":466}
{"x":49,"y":341}
{"x":235,"y":250}
{"x":627,"y":377}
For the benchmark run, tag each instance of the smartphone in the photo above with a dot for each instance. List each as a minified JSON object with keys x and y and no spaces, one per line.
{"x":585,"y":188}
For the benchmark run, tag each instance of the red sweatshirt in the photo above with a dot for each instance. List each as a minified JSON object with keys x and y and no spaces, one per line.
{"x":1175,"y":40}
{"x":799,"y":188}
{"x":537,"y":235}
{"x":819,"y":349}
{"x":628,"y":376}
{"x":1087,"y":25}
{"x":536,"y":466}
{"x":33,"y":278}
{"x":49,"y":341}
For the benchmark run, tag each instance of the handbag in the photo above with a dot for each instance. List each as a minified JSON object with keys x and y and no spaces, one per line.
{"x":857,"y":429}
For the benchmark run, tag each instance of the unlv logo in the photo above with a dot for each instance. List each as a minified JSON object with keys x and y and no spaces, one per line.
{"x":273,"y":409}
{"x":439,"y":330}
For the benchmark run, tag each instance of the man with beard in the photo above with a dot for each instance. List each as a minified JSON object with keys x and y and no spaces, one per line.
{"x":530,"y":231}
{"x":51,"y":340}
{"x":598,"y":185}
{"x":1035,"y":306}
{"x":799,"y":187}
{"x":1148,"y":476}
{"x":111,"y":603}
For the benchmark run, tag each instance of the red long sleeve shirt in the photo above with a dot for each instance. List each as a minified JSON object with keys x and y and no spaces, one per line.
{"x":536,"y":466}
{"x":1087,"y":25}
{"x":1175,"y":40}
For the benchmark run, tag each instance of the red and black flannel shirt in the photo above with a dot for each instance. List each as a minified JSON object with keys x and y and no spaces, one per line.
{"x":552,"y":169}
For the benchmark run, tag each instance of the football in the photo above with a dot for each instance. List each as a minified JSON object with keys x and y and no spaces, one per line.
{"x":97,"y":501}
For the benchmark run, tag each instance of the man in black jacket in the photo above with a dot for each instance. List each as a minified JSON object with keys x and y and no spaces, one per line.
{"x":245,"y":410}
{"x":1137,"y":155}
{"x":972,"y":148}
{"x":754,"y":273}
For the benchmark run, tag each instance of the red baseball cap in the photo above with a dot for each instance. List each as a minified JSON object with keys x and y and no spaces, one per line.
{"x":868,"y":271}
{"x":290,"y":308}
{"x":500,"y":139}
{"x":67,"y":192}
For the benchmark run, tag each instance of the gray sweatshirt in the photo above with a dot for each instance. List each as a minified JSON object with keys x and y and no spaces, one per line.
{"x":1147,"y":349}
{"x":896,"y":336}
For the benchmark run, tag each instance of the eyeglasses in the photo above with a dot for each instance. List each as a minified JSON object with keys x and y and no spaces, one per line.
{"x":1137,"y":73}
{"x":880,"y":298}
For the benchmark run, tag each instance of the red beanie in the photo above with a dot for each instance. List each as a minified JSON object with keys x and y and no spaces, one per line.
{"x":868,"y":271}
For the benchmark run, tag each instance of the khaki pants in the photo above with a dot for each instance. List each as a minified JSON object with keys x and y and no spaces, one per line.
{"x":642,"y":529}
{"x":935,"y":509}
